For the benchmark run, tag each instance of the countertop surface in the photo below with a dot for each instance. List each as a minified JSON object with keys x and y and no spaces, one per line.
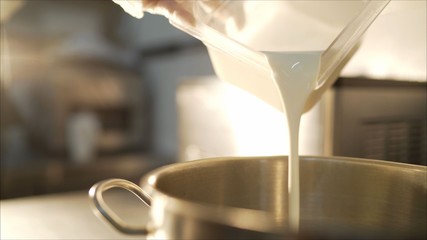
{"x":67,"y":216}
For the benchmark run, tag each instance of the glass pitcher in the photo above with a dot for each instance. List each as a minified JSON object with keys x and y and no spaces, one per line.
{"x":228,"y":29}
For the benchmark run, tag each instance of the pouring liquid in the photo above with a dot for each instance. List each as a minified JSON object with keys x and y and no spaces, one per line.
{"x":295,"y":75}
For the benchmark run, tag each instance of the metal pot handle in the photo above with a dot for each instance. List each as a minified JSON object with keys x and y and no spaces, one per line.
{"x":100,"y":207}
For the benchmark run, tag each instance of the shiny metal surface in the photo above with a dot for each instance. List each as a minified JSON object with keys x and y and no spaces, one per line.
{"x":95,"y":194}
{"x":247,"y":197}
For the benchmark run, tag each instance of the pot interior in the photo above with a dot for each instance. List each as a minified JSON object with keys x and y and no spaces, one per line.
{"x":338,"y":195}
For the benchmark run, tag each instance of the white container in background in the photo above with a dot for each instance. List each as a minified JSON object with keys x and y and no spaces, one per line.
{"x":82,"y":136}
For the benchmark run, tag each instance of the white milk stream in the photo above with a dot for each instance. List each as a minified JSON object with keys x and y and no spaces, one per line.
{"x":295,"y":76}
{"x":294,"y":64}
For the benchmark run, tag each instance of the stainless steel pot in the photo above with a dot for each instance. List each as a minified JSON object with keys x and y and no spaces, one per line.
{"x":223,"y":198}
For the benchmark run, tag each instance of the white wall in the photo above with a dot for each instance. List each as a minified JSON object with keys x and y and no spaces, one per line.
{"x":394,"y":47}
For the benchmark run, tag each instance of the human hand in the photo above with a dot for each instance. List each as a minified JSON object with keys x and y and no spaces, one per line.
{"x":179,"y":9}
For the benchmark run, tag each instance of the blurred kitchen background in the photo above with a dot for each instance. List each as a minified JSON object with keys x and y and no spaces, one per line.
{"x":89,"y":93}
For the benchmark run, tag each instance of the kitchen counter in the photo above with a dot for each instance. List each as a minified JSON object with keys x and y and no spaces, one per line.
{"x":47,"y":176}
{"x":67,"y":216}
